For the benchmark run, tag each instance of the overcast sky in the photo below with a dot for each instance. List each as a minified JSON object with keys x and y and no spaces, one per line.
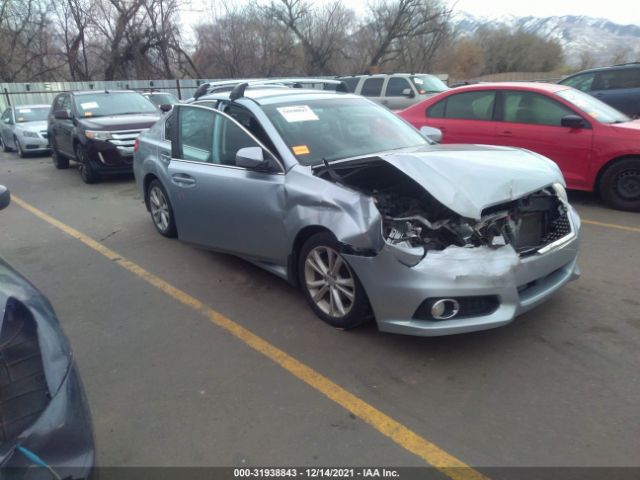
{"x":618,"y":11}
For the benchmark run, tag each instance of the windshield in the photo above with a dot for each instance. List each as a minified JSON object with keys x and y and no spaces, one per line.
{"x":337,"y":128}
{"x":592,"y":106}
{"x":162,"y":99}
{"x":31,"y":114}
{"x":113,"y":103}
{"x":428,"y":84}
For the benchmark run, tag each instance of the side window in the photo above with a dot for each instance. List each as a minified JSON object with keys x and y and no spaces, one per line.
{"x":350,"y":82}
{"x":395,"y":86}
{"x":57,"y":104}
{"x":228,"y":139}
{"x":617,"y":79}
{"x":196,"y":134}
{"x":372,"y":87}
{"x":6,"y":115}
{"x":66,"y":103}
{"x":437,"y":110}
{"x":170,"y":126}
{"x":471,"y":105}
{"x":582,"y":82}
{"x":245,"y":118}
{"x":533,"y":108}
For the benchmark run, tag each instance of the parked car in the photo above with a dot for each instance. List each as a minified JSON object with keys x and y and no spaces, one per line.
{"x":396,"y":90}
{"x":161,"y":99}
{"x":44,"y":412}
{"x":97,"y":129}
{"x":618,"y":86}
{"x":340,"y":196}
{"x":596,"y":146}
{"x":24,"y":129}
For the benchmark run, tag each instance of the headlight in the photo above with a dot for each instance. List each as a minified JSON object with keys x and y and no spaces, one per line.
{"x":561,"y":192}
{"x":29,"y":133}
{"x":94,"y":135}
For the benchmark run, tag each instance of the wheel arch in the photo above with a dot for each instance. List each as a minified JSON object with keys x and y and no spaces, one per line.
{"x":149,"y":177}
{"x":301,"y":237}
{"x":608,"y":165}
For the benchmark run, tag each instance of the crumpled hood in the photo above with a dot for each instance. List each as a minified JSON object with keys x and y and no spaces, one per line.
{"x":469,"y":178}
{"x":33,"y":126}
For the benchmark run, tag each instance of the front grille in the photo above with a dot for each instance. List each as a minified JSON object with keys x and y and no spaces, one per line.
{"x":124,"y":140}
{"x":23,"y":388}
{"x":477,"y":306}
{"x":558,"y":228}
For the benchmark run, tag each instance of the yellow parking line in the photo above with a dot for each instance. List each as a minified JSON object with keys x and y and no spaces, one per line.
{"x":400,"y":434}
{"x":611,"y":225}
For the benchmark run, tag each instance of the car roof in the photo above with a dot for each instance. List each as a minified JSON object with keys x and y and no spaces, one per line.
{"x":270,"y":95}
{"x":33,"y":105}
{"x":93,"y":92}
{"x":621,"y":66}
{"x":539,"y":86}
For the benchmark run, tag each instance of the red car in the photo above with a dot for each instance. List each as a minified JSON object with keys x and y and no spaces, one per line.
{"x":596,"y":146}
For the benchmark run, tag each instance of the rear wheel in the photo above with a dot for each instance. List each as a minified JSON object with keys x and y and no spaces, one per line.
{"x":161,"y":210}
{"x":620,"y":185}
{"x":86,"y":168}
{"x":4,"y":146}
{"x":330,"y":286}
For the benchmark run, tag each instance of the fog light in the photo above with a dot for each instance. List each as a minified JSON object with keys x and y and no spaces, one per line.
{"x":445,"y":308}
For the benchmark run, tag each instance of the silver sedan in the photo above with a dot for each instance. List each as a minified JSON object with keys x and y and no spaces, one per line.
{"x":24,"y":129}
{"x":371,"y":219}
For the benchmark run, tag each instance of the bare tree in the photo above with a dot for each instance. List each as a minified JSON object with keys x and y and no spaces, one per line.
{"x":322,"y":32}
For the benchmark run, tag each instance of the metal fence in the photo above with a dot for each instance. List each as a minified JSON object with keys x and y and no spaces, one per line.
{"x":44,"y":92}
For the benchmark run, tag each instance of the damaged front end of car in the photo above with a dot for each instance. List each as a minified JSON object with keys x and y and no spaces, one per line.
{"x":482,"y":253}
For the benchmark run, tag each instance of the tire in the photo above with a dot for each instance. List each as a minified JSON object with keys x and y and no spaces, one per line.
{"x":21,"y":153}
{"x":344,"y":303}
{"x":5,"y":148}
{"x":86,"y":168}
{"x":59,"y":161}
{"x":161,"y":210}
{"x":620,"y":185}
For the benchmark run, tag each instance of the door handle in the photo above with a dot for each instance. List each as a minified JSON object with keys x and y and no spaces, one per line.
{"x":164,"y":156}
{"x":183,"y":180}
{"x":506,"y":133}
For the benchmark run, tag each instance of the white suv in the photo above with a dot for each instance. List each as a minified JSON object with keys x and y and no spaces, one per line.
{"x":395,"y":91}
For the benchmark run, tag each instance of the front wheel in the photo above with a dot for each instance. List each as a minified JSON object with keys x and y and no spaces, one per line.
{"x":86,"y":168}
{"x":21,"y":153}
{"x":161,"y":210}
{"x":59,"y":161}
{"x":330,"y":285}
{"x":620,"y":185}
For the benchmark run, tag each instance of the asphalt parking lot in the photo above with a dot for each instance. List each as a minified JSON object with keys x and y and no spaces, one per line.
{"x":169,"y":386}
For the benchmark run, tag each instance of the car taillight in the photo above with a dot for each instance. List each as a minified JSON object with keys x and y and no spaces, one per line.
{"x":136,"y":144}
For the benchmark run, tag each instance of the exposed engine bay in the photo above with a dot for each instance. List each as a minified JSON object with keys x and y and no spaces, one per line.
{"x":414,"y":218}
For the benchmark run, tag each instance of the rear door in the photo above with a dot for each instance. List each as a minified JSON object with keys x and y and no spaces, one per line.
{"x":216,"y":203}
{"x":466,"y":117}
{"x":533,"y":121}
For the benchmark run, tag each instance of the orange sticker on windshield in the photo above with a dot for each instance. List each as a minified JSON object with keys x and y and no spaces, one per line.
{"x":300,"y":150}
{"x":88,"y":114}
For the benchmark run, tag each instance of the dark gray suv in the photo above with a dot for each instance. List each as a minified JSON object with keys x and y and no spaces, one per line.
{"x":619,"y":86}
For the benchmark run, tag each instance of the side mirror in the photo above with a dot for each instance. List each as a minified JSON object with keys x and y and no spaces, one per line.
{"x":5,"y":197}
{"x":62,"y":115}
{"x":407,"y":92}
{"x":432,"y":133}
{"x":165,"y":107}
{"x":251,"y":158}
{"x":572,"y":121}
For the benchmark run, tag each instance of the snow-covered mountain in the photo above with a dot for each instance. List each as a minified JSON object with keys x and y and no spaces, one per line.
{"x":603,"y":40}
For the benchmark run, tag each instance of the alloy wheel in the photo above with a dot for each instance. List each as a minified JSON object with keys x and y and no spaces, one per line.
{"x":159,"y":208}
{"x":329,"y":281}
